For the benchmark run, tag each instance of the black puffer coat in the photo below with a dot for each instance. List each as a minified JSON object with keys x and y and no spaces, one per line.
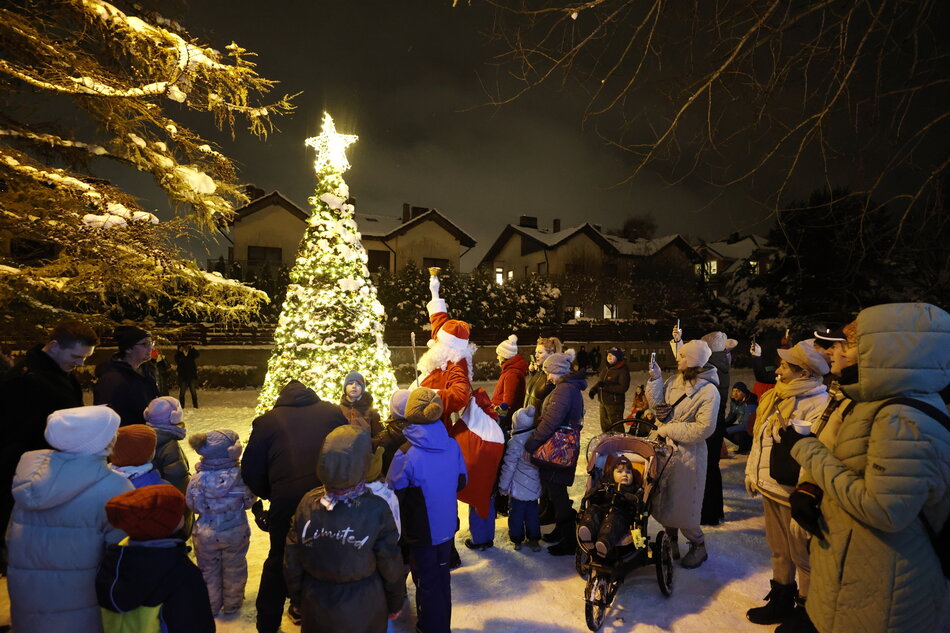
{"x":344,"y":566}
{"x":280,"y":461}
{"x":125,"y":390}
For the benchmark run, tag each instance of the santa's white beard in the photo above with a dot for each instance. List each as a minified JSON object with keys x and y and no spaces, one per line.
{"x":440,"y":355}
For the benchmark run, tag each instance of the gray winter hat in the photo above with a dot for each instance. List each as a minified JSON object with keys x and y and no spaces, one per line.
{"x":559,"y":364}
{"x":215,"y":444}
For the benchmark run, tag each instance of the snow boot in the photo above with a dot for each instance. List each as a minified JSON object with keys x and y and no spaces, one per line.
{"x":565,"y":547}
{"x":779,"y":607}
{"x":533,"y":545}
{"x":562,"y":529}
{"x":798,"y":622}
{"x":478,"y":547}
{"x":695,"y":556}
{"x":584,"y":536}
{"x":455,"y":561}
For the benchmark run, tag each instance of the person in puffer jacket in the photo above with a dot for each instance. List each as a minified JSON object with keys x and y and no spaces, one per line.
{"x":521,"y":482}
{"x":342,"y":560}
{"x":799,"y":394}
{"x":59,"y":530}
{"x":146,"y":583}
{"x":874,"y":569}
{"x":221,"y":533}
{"x":165,"y":416}
{"x":427,"y":473}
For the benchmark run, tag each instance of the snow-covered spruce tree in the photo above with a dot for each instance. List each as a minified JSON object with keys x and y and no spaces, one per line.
{"x":331,"y":322}
{"x":72,"y":244}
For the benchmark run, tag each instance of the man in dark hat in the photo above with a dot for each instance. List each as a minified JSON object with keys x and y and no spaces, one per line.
{"x":120,"y":384}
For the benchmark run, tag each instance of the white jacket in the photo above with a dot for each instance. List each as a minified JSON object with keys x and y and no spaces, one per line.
{"x":519,"y":477}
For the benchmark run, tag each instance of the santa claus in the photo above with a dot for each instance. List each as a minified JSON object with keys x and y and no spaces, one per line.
{"x":469,"y":417}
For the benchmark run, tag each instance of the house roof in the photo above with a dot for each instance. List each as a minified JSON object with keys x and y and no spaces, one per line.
{"x":387,"y":227}
{"x":613,"y":244}
{"x":743,"y":249}
{"x":271,"y":199}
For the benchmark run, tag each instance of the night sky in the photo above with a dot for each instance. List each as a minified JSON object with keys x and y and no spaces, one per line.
{"x":407,"y":77}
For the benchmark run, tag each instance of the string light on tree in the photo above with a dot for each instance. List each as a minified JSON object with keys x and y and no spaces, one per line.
{"x":331,"y":321}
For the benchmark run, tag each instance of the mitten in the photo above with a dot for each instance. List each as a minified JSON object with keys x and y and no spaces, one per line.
{"x":806,"y":508}
{"x":261,"y":516}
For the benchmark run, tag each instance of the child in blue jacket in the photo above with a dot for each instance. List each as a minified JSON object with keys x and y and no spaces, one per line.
{"x":427,"y":474}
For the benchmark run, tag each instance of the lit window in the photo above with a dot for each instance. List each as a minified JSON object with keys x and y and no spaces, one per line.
{"x":499,"y":276}
{"x":577,"y":313}
{"x":754,"y":266}
{"x":713,"y":267}
{"x":610,"y":311}
{"x":511,"y":274}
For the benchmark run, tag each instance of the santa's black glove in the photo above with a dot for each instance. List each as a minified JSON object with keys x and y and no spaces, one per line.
{"x":261,"y":516}
{"x":806,"y":508}
{"x":788,"y":437}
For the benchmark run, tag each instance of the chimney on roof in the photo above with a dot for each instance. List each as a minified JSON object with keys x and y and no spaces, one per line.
{"x":406,"y":212}
{"x":528,"y":221}
{"x":599,"y":227}
{"x":557,"y":225}
{"x":417,"y":211}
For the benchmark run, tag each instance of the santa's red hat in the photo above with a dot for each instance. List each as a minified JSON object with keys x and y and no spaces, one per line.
{"x":454,"y":334}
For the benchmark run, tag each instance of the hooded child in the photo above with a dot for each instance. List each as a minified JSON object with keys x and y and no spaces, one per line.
{"x":427,"y":473}
{"x":147,"y":582}
{"x":222,"y":534}
{"x":59,"y":530}
{"x":521,"y":482}
{"x":612,"y":507}
{"x":342,"y":561}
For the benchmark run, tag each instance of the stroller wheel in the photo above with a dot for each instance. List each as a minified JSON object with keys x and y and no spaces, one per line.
{"x":582,"y":563}
{"x":663,"y":555}
{"x":595,"y":608}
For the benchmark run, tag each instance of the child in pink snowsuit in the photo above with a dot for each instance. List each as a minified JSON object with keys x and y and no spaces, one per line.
{"x":221,"y":536}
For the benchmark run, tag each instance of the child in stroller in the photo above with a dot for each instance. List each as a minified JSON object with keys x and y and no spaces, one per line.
{"x":612,"y":507}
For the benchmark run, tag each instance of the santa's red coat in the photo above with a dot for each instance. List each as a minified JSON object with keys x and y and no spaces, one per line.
{"x":481,"y":454}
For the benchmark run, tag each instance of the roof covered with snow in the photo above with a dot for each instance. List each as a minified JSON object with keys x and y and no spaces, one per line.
{"x":744,"y":248}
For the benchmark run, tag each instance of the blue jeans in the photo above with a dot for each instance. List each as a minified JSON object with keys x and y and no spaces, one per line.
{"x":524,"y":518}
{"x":483,"y":530}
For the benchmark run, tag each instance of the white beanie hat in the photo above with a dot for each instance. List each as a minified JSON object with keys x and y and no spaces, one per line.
{"x":508,"y":348}
{"x":716,"y":341}
{"x":696,"y":353}
{"x":82,"y":430}
{"x":163,"y":411}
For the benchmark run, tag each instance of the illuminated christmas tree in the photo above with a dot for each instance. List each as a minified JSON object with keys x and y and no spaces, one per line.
{"x":331,"y":321}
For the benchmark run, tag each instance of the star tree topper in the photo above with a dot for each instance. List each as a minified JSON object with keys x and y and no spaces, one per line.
{"x":331,"y":147}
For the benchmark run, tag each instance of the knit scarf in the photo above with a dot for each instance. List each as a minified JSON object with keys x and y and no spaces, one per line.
{"x":332,"y":497}
{"x":177,"y":431}
{"x":216,"y":463}
{"x":782,"y":393}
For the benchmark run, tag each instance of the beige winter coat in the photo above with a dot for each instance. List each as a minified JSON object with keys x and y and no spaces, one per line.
{"x":875,"y":571}
{"x":679,"y":498}
{"x":806,"y":400}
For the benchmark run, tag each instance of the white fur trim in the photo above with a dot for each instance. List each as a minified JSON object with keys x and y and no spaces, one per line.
{"x":451,"y":339}
{"x":435,"y":306}
{"x":440,"y":355}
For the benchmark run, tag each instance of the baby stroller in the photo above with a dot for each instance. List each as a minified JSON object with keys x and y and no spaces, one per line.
{"x":604,"y":575}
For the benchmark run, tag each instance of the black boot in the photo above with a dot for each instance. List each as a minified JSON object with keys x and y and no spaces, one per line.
{"x":566,"y":546}
{"x":779,"y":606}
{"x":562,"y":529}
{"x":799,"y":622}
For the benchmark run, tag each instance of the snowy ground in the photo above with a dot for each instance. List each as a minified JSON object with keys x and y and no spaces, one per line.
{"x":502,"y":590}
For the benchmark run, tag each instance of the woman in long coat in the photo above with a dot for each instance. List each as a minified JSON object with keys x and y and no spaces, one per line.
{"x":563,"y":408}
{"x":695,"y":393}
{"x":875,"y":570}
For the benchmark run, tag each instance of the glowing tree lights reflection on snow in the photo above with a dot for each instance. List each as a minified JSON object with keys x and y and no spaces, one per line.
{"x":331,"y":321}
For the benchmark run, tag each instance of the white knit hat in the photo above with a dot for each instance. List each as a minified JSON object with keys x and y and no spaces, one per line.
{"x":508,"y":348}
{"x":82,"y":430}
{"x":165,"y":410}
{"x":804,"y":355}
{"x":696,"y":353}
